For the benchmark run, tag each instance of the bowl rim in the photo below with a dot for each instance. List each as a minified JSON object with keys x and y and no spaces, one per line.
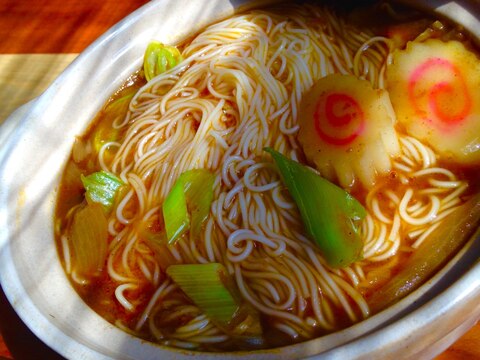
{"x":17,"y":129}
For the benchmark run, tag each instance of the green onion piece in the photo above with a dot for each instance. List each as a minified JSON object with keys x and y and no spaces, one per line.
{"x":205,"y":285}
{"x":215,"y":293}
{"x":329,"y":213}
{"x":102,"y":187}
{"x":88,"y":236}
{"x":246,"y":325}
{"x":198,"y":187}
{"x":431,"y":255}
{"x":188,"y":204}
{"x":120,"y":106}
{"x":161,"y":252}
{"x":153,"y":232}
{"x":104,"y":132}
{"x":159,"y":58}
{"x":175,"y":213}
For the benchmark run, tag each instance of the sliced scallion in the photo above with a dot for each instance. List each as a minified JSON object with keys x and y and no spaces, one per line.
{"x":175,"y":213}
{"x":88,"y":236}
{"x":188,"y":204}
{"x":102,"y":187}
{"x":198,"y":186}
{"x":117,"y":109}
{"x":329,"y":213}
{"x":159,"y":58}
{"x":205,"y":285}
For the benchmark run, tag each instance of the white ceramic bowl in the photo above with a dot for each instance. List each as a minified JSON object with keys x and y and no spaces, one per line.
{"x":35,"y":142}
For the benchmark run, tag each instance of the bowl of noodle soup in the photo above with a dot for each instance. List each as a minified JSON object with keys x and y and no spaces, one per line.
{"x":244,"y":79}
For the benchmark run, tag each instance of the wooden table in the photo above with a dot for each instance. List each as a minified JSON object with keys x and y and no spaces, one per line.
{"x":38,"y":39}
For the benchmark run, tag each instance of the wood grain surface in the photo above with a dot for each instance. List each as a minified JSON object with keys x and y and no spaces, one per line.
{"x":57,"y":26}
{"x":38,"y":39}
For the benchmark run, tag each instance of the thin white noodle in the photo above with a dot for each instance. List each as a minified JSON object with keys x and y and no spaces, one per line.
{"x":238,"y":90}
{"x":120,"y":296}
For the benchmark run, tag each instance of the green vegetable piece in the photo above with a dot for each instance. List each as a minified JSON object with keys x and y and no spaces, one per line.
{"x":329,"y":213}
{"x":104,"y":131}
{"x":431,"y":255}
{"x":175,"y":213}
{"x":198,"y":187}
{"x":102,"y":187}
{"x":205,"y":285}
{"x":188,"y":204}
{"x":88,"y":236}
{"x":159,"y":58}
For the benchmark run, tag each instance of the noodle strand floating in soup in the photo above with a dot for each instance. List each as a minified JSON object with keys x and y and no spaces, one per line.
{"x":188,"y":191}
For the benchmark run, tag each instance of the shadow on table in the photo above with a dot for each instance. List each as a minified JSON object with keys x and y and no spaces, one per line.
{"x":21,"y":342}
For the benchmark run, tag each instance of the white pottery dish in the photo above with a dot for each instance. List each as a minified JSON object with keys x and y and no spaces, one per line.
{"x":36,"y":141}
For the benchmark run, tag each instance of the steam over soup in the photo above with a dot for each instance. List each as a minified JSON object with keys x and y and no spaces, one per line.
{"x":281,"y":175}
